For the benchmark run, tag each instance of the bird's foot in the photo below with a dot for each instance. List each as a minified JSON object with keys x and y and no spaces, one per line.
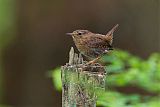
{"x":90,"y":62}
{"x":93,"y":61}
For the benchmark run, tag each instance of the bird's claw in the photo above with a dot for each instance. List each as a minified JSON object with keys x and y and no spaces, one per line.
{"x":93,"y":61}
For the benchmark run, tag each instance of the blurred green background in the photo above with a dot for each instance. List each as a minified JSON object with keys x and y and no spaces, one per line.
{"x":33,"y":42}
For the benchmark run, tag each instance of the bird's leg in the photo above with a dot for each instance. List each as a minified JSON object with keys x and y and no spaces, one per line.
{"x":93,"y":61}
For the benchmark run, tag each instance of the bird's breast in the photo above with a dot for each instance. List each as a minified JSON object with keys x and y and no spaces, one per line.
{"x":82,"y":46}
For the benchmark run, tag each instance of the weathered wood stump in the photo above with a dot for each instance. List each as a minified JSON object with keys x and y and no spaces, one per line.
{"x":80,"y":82}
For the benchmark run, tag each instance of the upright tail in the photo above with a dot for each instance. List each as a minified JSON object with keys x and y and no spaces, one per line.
{"x":109,"y":35}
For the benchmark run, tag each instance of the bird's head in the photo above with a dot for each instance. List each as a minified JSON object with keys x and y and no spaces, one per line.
{"x":78,"y":33}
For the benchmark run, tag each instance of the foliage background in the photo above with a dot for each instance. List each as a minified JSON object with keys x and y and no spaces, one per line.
{"x":33,"y":41}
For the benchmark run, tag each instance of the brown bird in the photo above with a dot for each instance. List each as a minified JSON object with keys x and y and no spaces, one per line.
{"x":93,"y":45}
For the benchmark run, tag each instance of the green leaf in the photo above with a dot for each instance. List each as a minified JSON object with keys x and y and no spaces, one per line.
{"x":56,"y":77}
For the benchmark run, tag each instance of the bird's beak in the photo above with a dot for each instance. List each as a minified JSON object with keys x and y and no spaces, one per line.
{"x":70,"y":34}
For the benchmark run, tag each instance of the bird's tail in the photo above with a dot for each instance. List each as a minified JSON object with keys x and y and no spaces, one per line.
{"x":110,"y":33}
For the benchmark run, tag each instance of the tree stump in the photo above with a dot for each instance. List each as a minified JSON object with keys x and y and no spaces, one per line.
{"x":80,"y":82}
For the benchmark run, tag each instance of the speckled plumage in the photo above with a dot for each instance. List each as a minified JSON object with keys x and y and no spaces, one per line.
{"x":92,"y":45}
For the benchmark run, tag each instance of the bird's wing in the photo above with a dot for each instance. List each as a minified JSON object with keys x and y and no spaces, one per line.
{"x":97,"y":41}
{"x":98,"y":45}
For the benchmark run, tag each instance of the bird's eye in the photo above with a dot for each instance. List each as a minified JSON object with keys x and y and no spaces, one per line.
{"x":79,"y":33}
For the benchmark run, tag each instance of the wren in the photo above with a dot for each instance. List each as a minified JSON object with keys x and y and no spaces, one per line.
{"x":93,"y":45}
